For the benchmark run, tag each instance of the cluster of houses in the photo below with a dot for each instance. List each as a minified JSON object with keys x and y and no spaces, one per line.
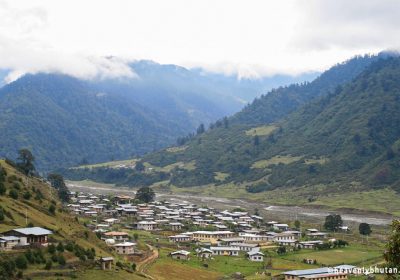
{"x":24,"y":237}
{"x":219,"y":232}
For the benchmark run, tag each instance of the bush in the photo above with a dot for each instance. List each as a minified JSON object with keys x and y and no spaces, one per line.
{"x":2,"y":189}
{"x":48,"y":265}
{"x":51,"y":249}
{"x":27,"y":195}
{"x":13,"y":194}
{"x":52,"y":209}
{"x":60,"y":247}
{"x":61,"y":260}
{"x":21,"y":262}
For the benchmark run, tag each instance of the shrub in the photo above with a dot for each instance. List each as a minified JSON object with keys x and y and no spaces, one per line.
{"x":13,"y":194}
{"x":48,"y":265}
{"x":27,"y":195}
{"x":52,"y":209}
{"x":61,"y":260}
{"x":21,"y":262}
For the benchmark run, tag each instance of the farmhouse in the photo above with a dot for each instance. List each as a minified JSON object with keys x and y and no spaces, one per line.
{"x":30,"y":236}
{"x":246,"y":247}
{"x":180,"y":255}
{"x":146,"y":225}
{"x":175,"y":226}
{"x":225,"y":251}
{"x":8,"y":242}
{"x":204,"y":253}
{"x":255,"y":256}
{"x":309,"y":244}
{"x":117,"y":235}
{"x":125,"y":248}
{"x":180,"y":238}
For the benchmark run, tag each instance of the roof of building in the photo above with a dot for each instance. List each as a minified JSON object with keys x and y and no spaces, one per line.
{"x":180,"y":252}
{"x":116,"y":233}
{"x":224,"y":248}
{"x":305,"y":272}
{"x":33,"y":231}
{"x":9,"y":238}
{"x":125,"y":244}
{"x":253,"y":253}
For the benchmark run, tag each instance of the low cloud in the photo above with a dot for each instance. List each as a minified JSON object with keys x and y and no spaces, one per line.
{"x":356,"y":24}
{"x":22,"y":51}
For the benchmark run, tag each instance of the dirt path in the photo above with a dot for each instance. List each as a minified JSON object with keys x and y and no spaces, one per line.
{"x":143,"y":265}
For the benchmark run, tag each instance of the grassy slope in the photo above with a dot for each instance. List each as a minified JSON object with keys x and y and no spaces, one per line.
{"x":64,"y":226}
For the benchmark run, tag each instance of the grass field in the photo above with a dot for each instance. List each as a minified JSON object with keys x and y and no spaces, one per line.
{"x":261,"y":130}
{"x":112,"y":164}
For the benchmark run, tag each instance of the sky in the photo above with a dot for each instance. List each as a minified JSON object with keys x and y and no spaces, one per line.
{"x":248,"y":38}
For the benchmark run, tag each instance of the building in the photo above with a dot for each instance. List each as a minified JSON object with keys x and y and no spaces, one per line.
{"x":211,"y":236}
{"x":176,"y":226}
{"x":309,"y":244}
{"x":106,"y":263}
{"x":8,"y":242}
{"x":125,"y":248}
{"x":146,"y":225}
{"x":246,"y":247}
{"x":180,"y":255}
{"x":30,"y":236}
{"x":180,"y":238}
{"x":324,"y":273}
{"x":225,"y":251}
{"x":255,"y":256}
{"x":117,"y":235}
{"x":204,"y":253}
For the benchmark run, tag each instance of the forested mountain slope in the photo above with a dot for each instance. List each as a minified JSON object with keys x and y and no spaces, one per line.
{"x":350,"y":134}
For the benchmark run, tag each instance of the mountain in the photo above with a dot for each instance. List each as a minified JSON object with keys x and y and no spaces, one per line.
{"x":280,"y":102}
{"x":65,"y":121}
{"x":348,"y":133}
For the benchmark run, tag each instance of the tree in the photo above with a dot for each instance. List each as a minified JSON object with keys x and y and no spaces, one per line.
{"x":57,"y":182}
{"x":281,"y":250}
{"x":364,"y":229}
{"x":139,"y":166}
{"x":145,"y":194}
{"x":333,"y":222}
{"x":201,"y":129}
{"x":392,"y":252}
{"x":297,"y":224}
{"x":25,"y":161}
{"x":256,"y":140}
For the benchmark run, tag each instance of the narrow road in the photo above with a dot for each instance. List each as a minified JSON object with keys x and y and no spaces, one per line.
{"x":143,"y":265}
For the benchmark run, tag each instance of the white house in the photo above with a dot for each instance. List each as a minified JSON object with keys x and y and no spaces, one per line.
{"x":255,"y":256}
{"x":125,"y":248}
{"x":146,"y":225}
{"x":225,"y":251}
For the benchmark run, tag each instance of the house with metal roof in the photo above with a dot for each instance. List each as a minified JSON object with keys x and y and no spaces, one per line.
{"x":30,"y":236}
{"x":323,"y":273}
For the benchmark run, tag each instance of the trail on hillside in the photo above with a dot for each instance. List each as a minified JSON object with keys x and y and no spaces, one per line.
{"x":143,"y":265}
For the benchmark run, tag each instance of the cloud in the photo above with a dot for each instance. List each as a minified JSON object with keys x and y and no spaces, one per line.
{"x":246,"y":38}
{"x":355,"y":24}
{"x":22,"y":51}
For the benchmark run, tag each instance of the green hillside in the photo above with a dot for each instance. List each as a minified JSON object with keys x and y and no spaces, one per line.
{"x":26,"y":202}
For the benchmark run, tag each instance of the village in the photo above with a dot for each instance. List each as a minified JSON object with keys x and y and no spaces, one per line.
{"x":138,"y":232}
